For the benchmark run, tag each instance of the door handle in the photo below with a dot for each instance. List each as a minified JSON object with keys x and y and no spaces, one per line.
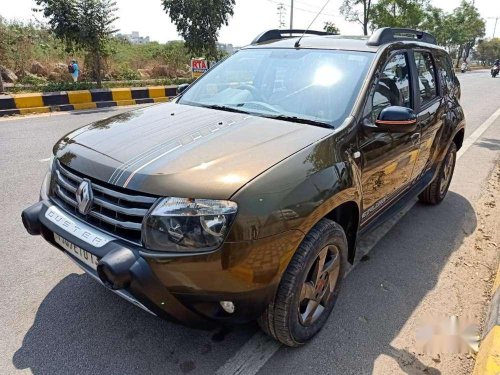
{"x":415,"y":138}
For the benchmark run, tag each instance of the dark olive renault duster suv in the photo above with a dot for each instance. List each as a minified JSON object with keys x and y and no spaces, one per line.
{"x":244,"y":198}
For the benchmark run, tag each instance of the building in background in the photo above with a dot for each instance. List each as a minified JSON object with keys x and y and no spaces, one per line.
{"x":229,"y":48}
{"x":135,"y":38}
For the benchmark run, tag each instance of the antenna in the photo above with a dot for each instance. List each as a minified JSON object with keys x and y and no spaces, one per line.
{"x":297,"y":43}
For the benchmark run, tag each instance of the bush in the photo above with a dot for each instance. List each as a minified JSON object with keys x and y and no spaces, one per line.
{"x":31,"y":79}
{"x":66,"y":86}
{"x":125,"y":73}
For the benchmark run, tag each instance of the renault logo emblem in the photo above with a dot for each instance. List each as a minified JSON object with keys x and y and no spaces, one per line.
{"x":84,"y":197}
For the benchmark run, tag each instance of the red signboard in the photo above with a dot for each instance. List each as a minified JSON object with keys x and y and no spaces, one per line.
{"x":198,"y":67}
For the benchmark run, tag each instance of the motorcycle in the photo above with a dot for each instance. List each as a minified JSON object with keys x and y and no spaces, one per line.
{"x":495,"y":70}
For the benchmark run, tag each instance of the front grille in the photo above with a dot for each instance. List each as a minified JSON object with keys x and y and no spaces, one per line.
{"x":115,"y":210}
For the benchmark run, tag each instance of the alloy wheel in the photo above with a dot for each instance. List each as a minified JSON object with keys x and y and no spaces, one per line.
{"x":447,"y":173}
{"x":319,"y":286}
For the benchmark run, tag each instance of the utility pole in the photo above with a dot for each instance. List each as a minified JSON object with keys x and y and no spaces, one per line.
{"x":495,"y":27}
{"x":281,"y":14}
{"x":291,"y":16}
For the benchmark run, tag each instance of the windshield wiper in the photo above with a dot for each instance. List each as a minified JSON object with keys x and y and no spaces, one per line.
{"x":301,"y":120}
{"x":225,"y":108}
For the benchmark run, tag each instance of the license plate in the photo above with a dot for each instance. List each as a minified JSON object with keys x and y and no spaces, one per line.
{"x":89,"y":259}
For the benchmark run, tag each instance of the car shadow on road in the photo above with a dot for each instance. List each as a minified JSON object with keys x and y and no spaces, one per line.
{"x":81,"y":327}
{"x":380,"y":295}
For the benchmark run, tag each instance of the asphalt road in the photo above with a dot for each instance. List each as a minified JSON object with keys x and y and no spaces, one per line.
{"x":56,"y":320}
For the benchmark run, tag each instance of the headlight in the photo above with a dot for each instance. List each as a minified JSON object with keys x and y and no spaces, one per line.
{"x":182,"y":224}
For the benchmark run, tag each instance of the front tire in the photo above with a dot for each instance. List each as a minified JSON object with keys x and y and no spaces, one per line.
{"x":309,"y":287}
{"x":437,"y":190}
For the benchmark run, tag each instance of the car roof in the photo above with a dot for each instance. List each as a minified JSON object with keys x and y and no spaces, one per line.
{"x":321,"y":42}
{"x":381,"y":39}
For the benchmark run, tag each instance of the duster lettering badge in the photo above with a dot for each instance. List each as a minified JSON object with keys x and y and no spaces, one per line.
{"x":243,"y":193}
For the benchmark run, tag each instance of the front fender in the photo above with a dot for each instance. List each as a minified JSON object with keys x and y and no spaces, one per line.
{"x":296,"y":193}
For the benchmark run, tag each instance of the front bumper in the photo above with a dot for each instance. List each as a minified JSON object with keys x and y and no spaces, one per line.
{"x":186,"y":288}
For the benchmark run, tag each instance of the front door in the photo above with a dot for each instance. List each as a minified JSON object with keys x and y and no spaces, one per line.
{"x":387,"y":158}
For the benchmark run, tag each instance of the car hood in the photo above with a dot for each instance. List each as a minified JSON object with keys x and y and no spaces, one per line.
{"x":177,"y":150}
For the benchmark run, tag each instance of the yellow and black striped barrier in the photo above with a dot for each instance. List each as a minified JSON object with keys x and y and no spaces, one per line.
{"x":488,"y":358}
{"x":20,"y":104}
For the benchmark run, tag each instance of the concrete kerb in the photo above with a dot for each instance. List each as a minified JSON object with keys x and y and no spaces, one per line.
{"x":21,"y":104}
{"x":488,"y":357}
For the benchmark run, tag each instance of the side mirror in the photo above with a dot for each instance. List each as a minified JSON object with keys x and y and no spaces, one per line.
{"x":182,"y":88}
{"x":397,"y":120}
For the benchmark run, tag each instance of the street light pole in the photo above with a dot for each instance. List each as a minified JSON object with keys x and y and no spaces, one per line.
{"x":291,"y":16}
{"x":495,"y":27}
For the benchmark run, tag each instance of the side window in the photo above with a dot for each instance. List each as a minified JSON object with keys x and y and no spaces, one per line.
{"x":393,"y":87}
{"x":426,"y":77}
{"x":446,"y":71}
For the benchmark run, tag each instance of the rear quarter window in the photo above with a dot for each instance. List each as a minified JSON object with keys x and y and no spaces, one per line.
{"x":445,"y":69}
{"x":427,"y":79}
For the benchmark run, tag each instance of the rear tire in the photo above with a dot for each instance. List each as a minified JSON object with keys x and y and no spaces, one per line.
{"x":437,"y":190}
{"x":309,"y":287}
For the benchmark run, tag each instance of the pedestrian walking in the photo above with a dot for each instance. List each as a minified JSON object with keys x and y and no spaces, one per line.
{"x":74,"y":70}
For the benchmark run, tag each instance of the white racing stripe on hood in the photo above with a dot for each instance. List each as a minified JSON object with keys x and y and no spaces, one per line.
{"x":148,"y":157}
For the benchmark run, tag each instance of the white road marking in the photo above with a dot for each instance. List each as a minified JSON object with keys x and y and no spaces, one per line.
{"x":44,"y":160}
{"x":260,"y":348}
{"x":477,"y":133}
{"x":251,"y":356}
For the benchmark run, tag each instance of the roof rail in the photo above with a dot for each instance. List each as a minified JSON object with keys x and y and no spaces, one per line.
{"x":277,"y":34}
{"x":387,"y":34}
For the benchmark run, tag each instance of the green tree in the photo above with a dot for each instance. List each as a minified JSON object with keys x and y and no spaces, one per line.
{"x":439,"y":24}
{"x":489,"y":50}
{"x":199,"y":22}
{"x":176,"y":55}
{"x":17,"y":44}
{"x":467,"y":26}
{"x":82,"y":25}
{"x":398,"y":13}
{"x":330,"y":27}
{"x":358,"y":11}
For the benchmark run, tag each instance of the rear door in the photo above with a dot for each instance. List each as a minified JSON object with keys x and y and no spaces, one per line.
{"x":387,"y":158}
{"x":431,"y":109}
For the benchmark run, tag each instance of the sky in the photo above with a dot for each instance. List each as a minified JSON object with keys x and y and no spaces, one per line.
{"x":251,"y":17}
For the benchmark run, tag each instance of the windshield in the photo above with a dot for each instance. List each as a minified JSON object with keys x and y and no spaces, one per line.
{"x":319,"y":86}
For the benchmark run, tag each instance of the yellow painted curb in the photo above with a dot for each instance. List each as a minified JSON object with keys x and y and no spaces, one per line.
{"x":28,"y":100}
{"x":125,"y":102}
{"x":121,"y":94}
{"x":78,"y":97}
{"x":488,"y":358}
{"x":82,"y":99}
{"x":78,"y":106}
{"x":24,"y":111}
{"x":156,"y":91}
